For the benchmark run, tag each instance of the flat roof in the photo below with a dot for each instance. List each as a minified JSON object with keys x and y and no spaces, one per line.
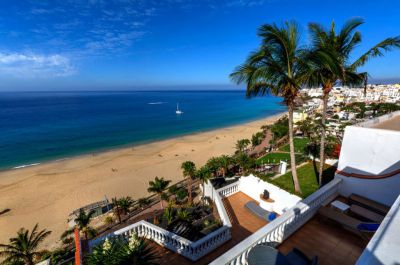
{"x":391,"y":124}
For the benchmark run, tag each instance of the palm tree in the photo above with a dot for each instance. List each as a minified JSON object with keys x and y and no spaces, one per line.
{"x":125,"y":203}
{"x":276,"y":67}
{"x":83,"y":223}
{"x":242,"y":144}
{"x":203,"y":174}
{"x":24,"y":247}
{"x":116,"y":209}
{"x":158,"y":186}
{"x":189,"y":170}
{"x":213,"y":165}
{"x":143,"y":202}
{"x":244,"y":161}
{"x":329,"y":63}
{"x":306,"y":126}
{"x":224,"y":161}
{"x":67,"y":237}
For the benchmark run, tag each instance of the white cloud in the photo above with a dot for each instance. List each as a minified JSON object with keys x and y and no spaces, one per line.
{"x":30,"y":65}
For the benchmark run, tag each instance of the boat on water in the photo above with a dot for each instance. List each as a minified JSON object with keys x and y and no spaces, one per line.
{"x":178,"y":111}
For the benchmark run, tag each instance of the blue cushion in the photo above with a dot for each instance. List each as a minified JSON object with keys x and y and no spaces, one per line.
{"x":271,"y":216}
{"x":368,"y":227}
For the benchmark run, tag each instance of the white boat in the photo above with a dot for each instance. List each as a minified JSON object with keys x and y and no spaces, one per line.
{"x":177,"y":109}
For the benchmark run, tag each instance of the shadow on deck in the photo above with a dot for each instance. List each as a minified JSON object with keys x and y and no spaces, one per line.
{"x":331,"y":243}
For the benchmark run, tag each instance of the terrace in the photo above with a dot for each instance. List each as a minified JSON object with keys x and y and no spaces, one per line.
{"x":368,"y":166}
{"x":301,"y":224}
{"x":302,"y":227}
{"x":243,"y":225}
{"x":390,"y":124}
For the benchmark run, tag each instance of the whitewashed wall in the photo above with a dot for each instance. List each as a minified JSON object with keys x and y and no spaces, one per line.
{"x":372,"y":152}
{"x":253,"y":187}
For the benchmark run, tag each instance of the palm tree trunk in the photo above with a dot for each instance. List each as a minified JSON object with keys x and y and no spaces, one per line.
{"x":190,"y":189}
{"x":29,"y":260}
{"x":117,"y":209}
{"x":162,"y":206}
{"x":292,"y":156}
{"x":323,"y":134}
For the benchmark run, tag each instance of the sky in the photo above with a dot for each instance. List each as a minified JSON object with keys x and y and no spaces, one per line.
{"x":114,"y":44}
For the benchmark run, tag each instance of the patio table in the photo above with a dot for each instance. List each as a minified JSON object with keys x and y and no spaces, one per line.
{"x":341,"y":206}
{"x":265,"y":255}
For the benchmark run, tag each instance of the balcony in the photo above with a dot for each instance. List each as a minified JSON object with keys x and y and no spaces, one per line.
{"x":299,"y":227}
{"x":295,"y":223}
{"x":331,"y":243}
{"x":243,"y":225}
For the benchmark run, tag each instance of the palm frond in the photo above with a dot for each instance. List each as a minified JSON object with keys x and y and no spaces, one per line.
{"x":377,"y":51}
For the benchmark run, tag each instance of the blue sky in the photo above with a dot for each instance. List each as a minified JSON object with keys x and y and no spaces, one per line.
{"x":105,"y":44}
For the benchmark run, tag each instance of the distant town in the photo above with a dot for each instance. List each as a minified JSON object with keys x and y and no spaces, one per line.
{"x":347,"y":106}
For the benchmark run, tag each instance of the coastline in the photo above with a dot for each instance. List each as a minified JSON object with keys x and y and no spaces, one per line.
{"x":46,"y":193}
{"x":130,"y":145}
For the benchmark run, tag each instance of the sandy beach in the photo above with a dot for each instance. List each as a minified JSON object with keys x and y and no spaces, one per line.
{"x":48,"y":192}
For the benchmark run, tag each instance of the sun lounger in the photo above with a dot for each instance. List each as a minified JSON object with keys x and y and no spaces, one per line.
{"x":370,"y":215}
{"x":339,"y":217}
{"x":257,"y":210}
{"x":354,"y":225}
{"x":369,"y":204}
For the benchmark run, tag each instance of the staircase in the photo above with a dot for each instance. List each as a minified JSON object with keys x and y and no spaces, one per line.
{"x":229,"y":211}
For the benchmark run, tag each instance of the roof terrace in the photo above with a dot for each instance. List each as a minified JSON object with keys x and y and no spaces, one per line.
{"x":243,"y":224}
{"x":390,"y":124}
{"x":334,"y":223}
{"x":390,"y":121}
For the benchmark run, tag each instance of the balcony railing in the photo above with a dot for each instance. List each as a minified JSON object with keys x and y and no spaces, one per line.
{"x":191,"y":250}
{"x":229,"y":189}
{"x":282,"y":227}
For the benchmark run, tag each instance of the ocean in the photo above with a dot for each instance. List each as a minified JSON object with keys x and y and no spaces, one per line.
{"x":42,"y":126}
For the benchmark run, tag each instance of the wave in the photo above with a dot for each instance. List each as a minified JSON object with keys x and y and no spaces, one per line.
{"x":157,"y":103}
{"x":28,"y":165}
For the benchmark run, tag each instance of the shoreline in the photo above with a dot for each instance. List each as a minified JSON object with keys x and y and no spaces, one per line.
{"x":132,"y":144}
{"x":48,"y":192}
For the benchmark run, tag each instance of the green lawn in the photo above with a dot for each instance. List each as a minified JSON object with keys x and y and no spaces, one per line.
{"x":307,"y":178}
{"x":299,"y":145}
{"x":276,"y":157}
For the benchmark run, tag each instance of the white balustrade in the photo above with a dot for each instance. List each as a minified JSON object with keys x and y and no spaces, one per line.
{"x":282,"y":227}
{"x":191,"y":250}
{"x":229,"y":189}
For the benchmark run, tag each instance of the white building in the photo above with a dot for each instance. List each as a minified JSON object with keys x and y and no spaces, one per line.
{"x":369,"y":166}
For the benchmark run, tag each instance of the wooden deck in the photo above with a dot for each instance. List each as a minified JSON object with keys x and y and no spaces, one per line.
{"x":243,"y":224}
{"x":332,"y":244}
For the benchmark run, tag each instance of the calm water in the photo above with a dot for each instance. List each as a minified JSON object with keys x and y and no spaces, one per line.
{"x":40,"y":126}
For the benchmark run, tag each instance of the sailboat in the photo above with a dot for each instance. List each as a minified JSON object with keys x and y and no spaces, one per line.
{"x":177,"y":109}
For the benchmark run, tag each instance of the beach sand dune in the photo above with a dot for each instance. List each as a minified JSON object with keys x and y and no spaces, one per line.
{"x":48,"y":192}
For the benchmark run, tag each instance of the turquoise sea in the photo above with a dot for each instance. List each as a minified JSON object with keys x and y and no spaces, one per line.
{"x":42,"y":126}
